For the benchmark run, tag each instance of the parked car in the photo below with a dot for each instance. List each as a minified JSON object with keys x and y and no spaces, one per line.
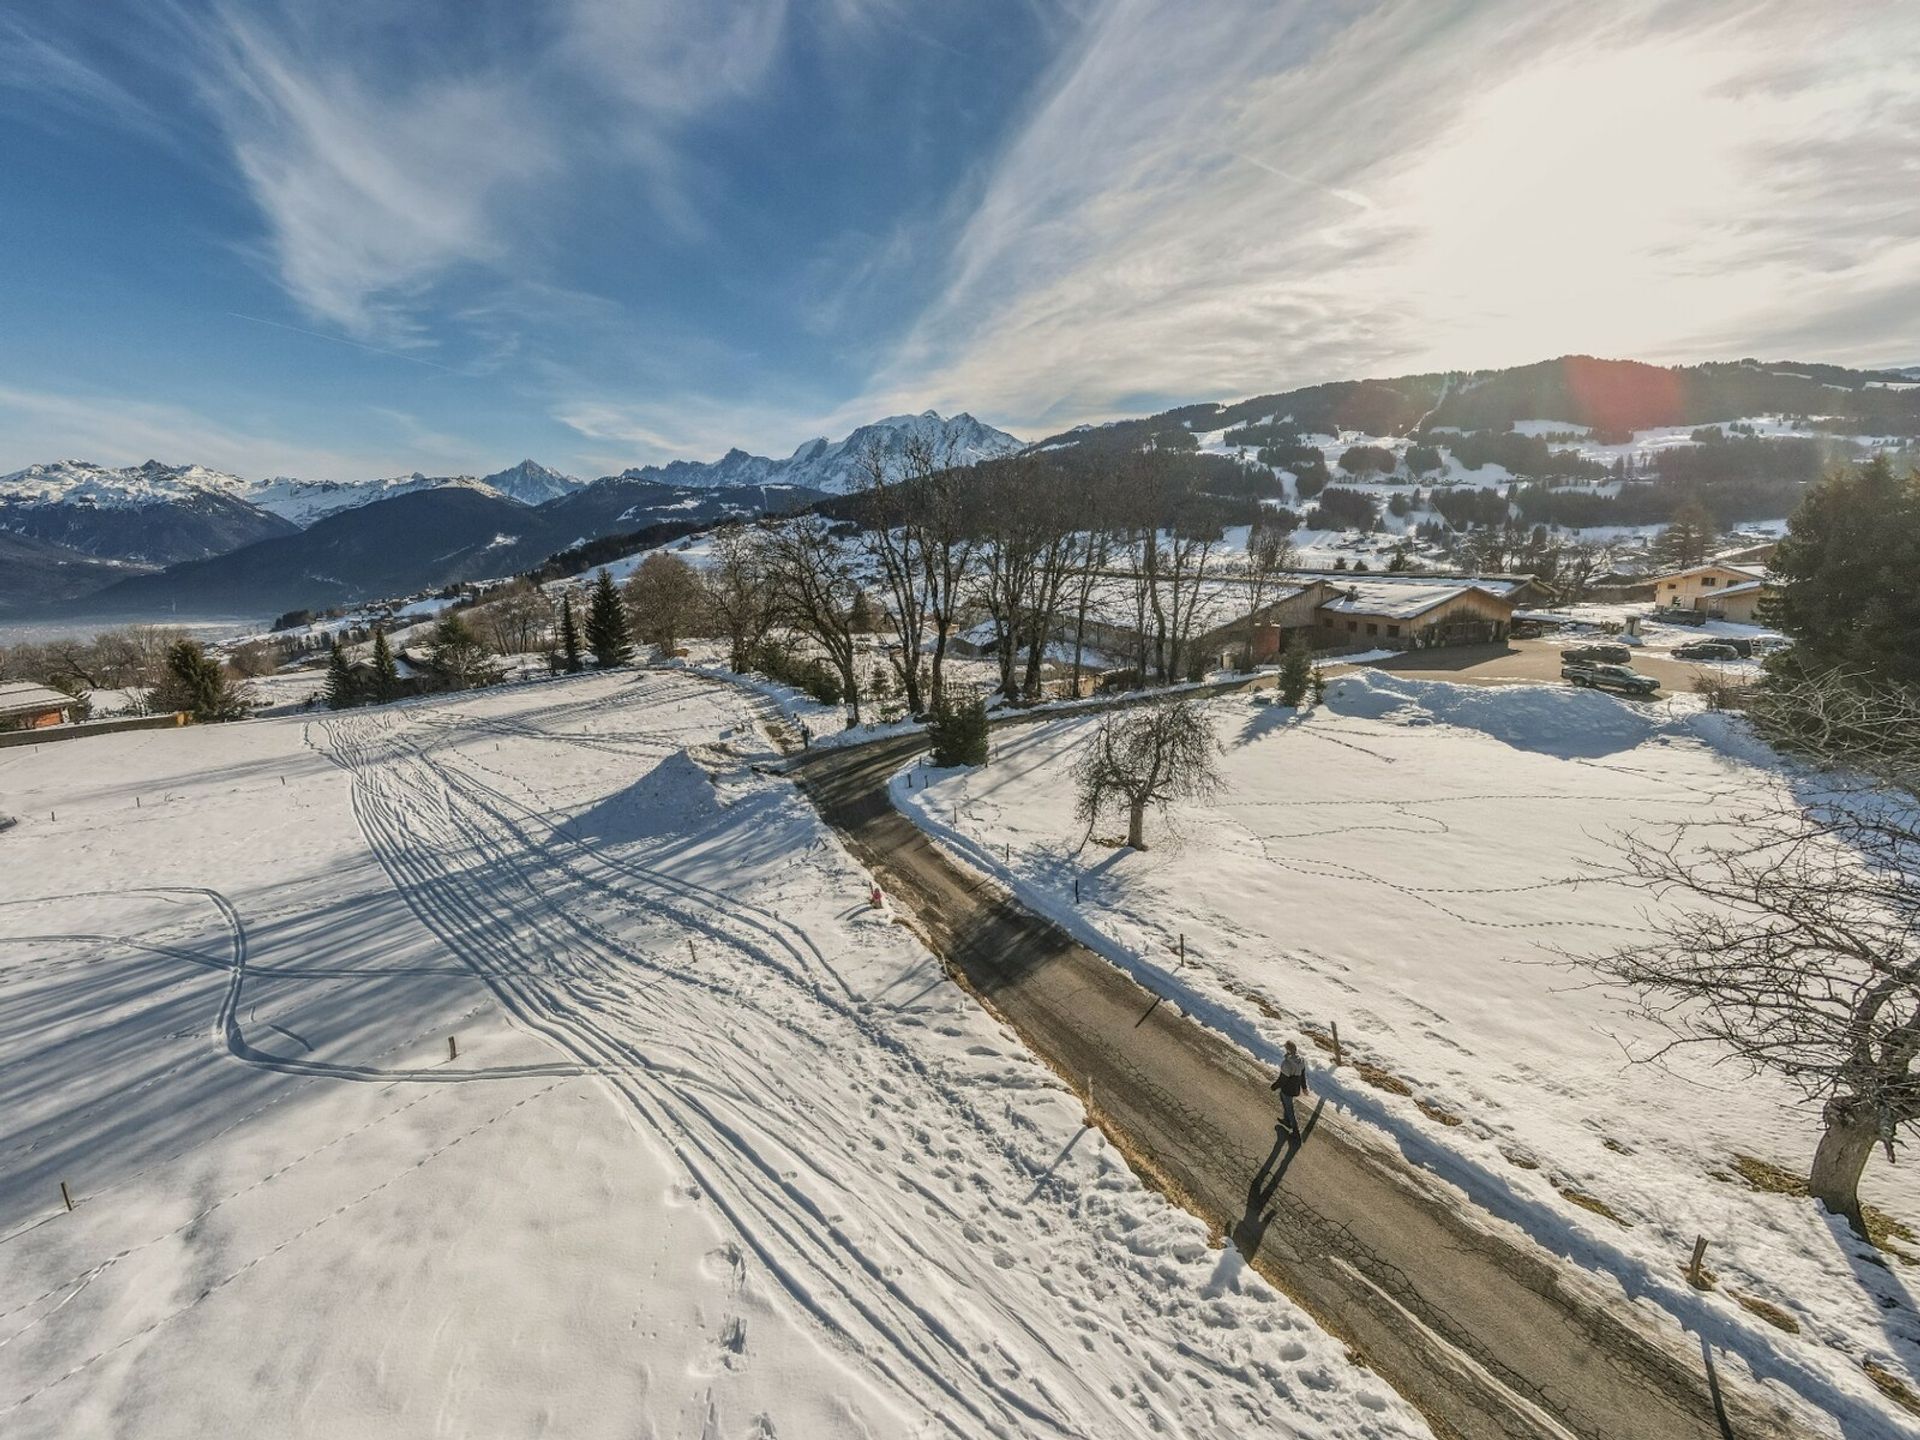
{"x":1609,"y":677}
{"x":1706,"y":650}
{"x":1679,"y":615}
{"x":1597,"y":655}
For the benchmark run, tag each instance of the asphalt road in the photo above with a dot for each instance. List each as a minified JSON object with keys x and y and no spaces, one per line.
{"x":1489,"y":1336}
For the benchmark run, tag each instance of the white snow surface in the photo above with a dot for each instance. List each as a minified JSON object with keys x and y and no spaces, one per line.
{"x":1419,"y":862}
{"x":721,"y":1152}
{"x":81,"y":482}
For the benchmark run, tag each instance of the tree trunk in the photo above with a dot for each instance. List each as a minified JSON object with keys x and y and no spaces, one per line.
{"x":1838,"y":1160}
{"x":938,"y":676}
{"x":850,"y":682}
{"x":909,"y":668}
{"x":1136,"y":829}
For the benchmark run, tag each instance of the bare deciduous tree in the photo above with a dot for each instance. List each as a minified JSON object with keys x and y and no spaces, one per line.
{"x":665,"y":600}
{"x":812,"y":584}
{"x":1580,"y":563}
{"x":519,"y":622}
{"x":1794,"y":940}
{"x":1270,"y":553}
{"x":1010,"y":556}
{"x":739,"y":596}
{"x":1148,"y":755}
{"x":904,"y":508}
{"x":1092,"y":554}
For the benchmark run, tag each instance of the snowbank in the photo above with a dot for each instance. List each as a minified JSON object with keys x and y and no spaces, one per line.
{"x":1424,"y":864}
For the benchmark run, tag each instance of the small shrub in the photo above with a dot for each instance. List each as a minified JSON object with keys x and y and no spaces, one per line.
{"x":811,"y":676}
{"x":1723,"y":694}
{"x":958,"y":733}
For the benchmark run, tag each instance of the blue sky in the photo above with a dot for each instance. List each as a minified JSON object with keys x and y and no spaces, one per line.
{"x":357,"y":238}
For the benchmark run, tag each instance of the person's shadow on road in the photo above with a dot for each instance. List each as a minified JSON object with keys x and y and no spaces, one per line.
{"x":1251,"y":1228}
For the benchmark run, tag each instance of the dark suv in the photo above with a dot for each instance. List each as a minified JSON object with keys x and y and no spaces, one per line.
{"x":1706,"y":650}
{"x":1597,"y":655}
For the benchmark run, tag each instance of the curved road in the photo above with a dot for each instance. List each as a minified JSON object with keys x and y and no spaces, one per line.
{"x":1489,"y":1337}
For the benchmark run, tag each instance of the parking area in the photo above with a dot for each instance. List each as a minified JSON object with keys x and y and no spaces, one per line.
{"x":1527,"y":660}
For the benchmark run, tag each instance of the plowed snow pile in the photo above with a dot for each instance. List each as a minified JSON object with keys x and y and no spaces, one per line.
{"x":719,"y":1152}
{"x":1422,"y":864}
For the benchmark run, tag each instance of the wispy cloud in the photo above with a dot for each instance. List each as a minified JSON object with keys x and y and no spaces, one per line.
{"x":122,"y":430}
{"x":370,"y":191}
{"x":685,"y":427}
{"x":57,"y":85}
{"x":1216,"y":200}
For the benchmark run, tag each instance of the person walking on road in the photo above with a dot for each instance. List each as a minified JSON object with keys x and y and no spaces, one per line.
{"x":1291,"y":1082}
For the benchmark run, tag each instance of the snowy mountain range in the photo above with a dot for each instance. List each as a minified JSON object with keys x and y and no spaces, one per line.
{"x":81,"y":483}
{"x":834,"y":465}
{"x":151,"y":514}
{"x":156,"y":514}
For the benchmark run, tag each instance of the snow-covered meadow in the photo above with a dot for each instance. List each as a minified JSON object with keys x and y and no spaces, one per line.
{"x":1418,"y":863}
{"x":719,"y":1152}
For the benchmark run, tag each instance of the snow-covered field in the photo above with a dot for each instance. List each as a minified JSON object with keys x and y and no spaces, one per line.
{"x":1402,"y":861}
{"x":720,"y":1153}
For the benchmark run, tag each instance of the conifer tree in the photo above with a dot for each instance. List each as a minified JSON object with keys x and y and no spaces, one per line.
{"x":386,"y":672}
{"x":459,"y":655}
{"x":341,"y":691}
{"x":1296,"y":675}
{"x":569,"y":637}
{"x":957,"y":734}
{"x":197,"y":683}
{"x":860,"y":615}
{"x":607,"y":633}
{"x":1848,"y":577}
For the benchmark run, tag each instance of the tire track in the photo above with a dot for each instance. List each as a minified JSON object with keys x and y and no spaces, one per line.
{"x":510,"y":890}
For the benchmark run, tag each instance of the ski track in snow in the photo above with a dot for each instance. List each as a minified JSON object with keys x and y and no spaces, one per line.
{"x":531,"y":905}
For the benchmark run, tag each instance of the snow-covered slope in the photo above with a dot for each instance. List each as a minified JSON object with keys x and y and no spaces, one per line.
{"x":305,"y":501}
{"x":833,"y":465}
{"x":133,"y":487}
{"x":81,"y":482}
{"x":720,"y":1151}
{"x":150,"y":514}
{"x":532,"y":483}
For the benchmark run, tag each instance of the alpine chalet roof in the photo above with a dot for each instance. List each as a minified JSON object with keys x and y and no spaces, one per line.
{"x":22,"y":698}
{"x":1404,"y":599}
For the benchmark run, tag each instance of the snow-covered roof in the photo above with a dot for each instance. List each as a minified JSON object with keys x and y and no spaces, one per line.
{"x":1216,"y":601}
{"x":1401,"y":600}
{"x":1757,"y":572}
{"x":1746,"y":587}
{"x":22,"y":698}
{"x":1226,"y":599}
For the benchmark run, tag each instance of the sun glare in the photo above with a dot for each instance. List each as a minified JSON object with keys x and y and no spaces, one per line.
{"x":1568,"y":202}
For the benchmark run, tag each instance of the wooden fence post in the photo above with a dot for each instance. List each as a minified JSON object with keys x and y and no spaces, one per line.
{"x":453,"y":1048}
{"x":1336,"y":1042}
{"x":1693,"y":1266}
{"x":66,"y":1194}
